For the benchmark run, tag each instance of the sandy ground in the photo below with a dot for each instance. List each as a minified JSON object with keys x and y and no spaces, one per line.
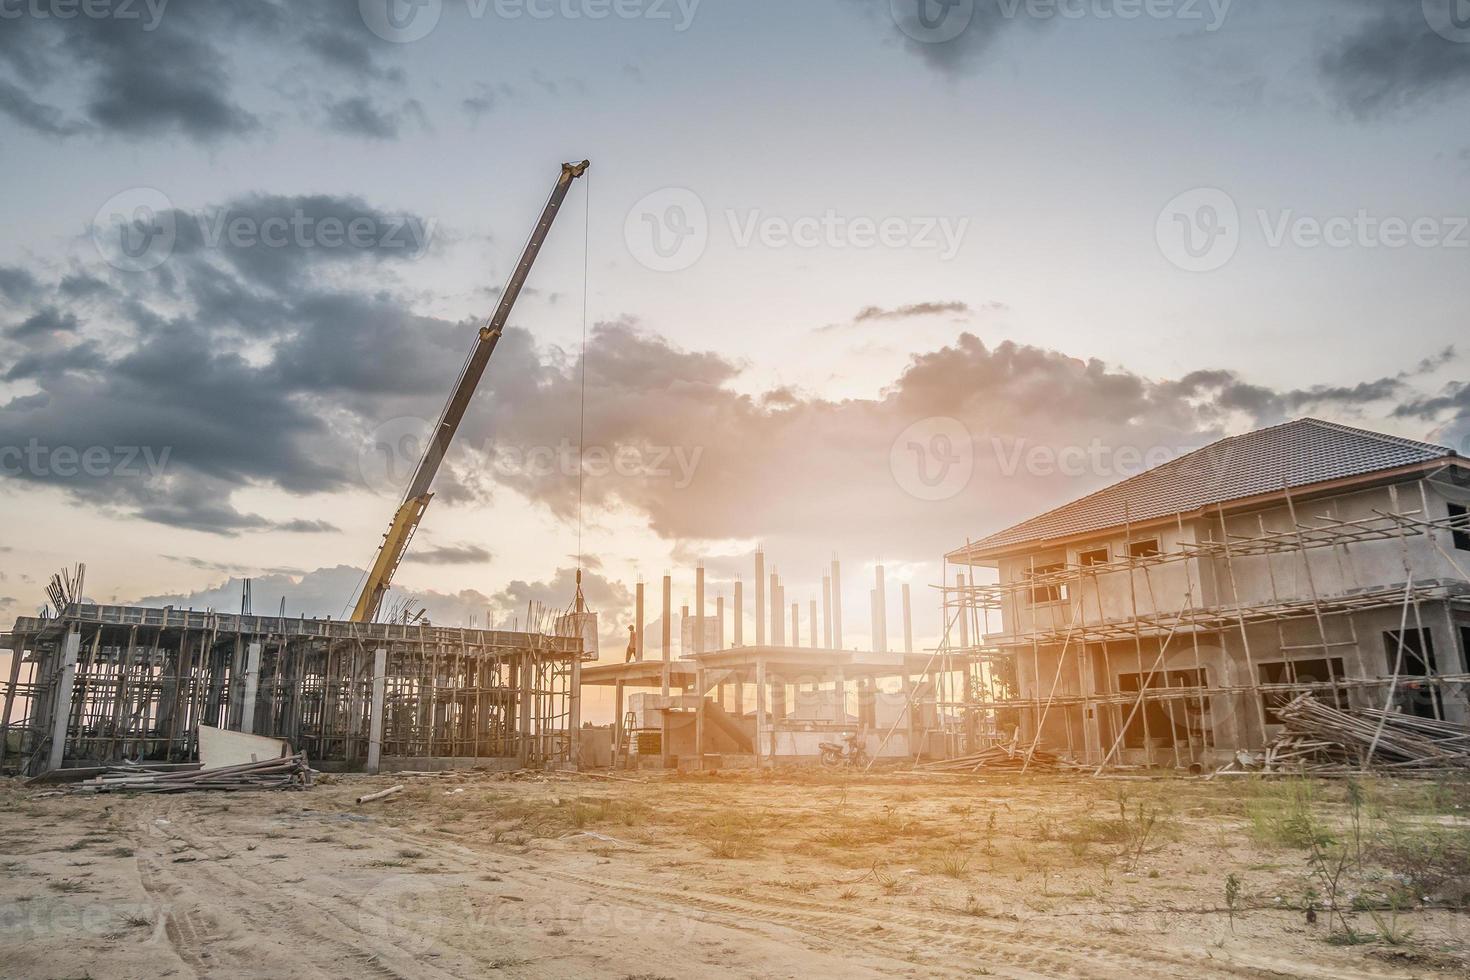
{"x":735,"y":874}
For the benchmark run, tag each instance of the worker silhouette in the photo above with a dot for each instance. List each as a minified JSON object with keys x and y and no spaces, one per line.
{"x":632,"y":646}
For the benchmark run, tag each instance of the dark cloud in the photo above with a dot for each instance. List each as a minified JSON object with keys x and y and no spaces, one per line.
{"x":48,"y":321}
{"x":462,"y":554}
{"x":179,"y":73}
{"x":1391,"y":58}
{"x":18,"y":285}
{"x":359,"y":116}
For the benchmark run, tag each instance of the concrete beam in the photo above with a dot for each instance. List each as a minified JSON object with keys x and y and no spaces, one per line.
{"x":252,"y":685}
{"x":65,"y":681}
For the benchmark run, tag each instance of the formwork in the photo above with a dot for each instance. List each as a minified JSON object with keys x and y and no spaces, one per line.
{"x":1008,"y":672}
{"x":99,"y":683}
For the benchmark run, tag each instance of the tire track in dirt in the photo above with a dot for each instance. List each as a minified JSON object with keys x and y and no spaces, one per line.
{"x":263,"y":908}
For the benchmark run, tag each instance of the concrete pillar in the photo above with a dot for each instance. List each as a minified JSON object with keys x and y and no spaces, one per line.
{"x":908,"y":622}
{"x":739,"y":613}
{"x":17,"y":655}
{"x":778,"y":620}
{"x":638,"y":621}
{"x":574,"y":716}
{"x":720,"y":621}
{"x":699,"y":609}
{"x":618,"y":733}
{"x":836,"y":605}
{"x":881,"y":617}
{"x":873,"y":619}
{"x":375,"y":723}
{"x":61,"y":704}
{"x":760,"y":597}
{"x":760,"y":712}
{"x":668,"y":634}
{"x":523,"y":751}
{"x":796,"y":624}
{"x":827,"y":611}
{"x":699,"y":717}
{"x":839,"y":694}
{"x":813,"y":620}
{"x":252,"y":685}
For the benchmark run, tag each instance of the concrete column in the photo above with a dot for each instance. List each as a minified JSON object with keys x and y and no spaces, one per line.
{"x":908,"y":709}
{"x":796,"y":624}
{"x":574,"y":716}
{"x":836,"y":605}
{"x":827,"y":611}
{"x":699,"y":609}
{"x":638,"y":622}
{"x":61,"y":705}
{"x":618,"y":733}
{"x":668,"y":630}
{"x":699,"y":717}
{"x":873,"y":619}
{"x":760,"y":712}
{"x":739,"y":613}
{"x":720,"y":621}
{"x":908,"y":622}
{"x":375,"y":724}
{"x":881,"y":611}
{"x":760,"y":597}
{"x":17,"y":655}
{"x":778,"y":620}
{"x":813,"y":620}
{"x":964,"y":613}
{"x":252,"y":685}
{"x":839,"y":693}
{"x":523,"y":752}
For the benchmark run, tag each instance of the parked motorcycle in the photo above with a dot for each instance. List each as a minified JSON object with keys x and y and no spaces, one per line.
{"x":851,"y":751}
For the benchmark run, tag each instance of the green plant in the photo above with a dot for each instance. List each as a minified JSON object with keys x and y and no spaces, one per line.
{"x":1232,"y":897}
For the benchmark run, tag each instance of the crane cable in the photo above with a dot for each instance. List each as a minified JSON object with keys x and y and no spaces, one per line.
{"x":582,"y":420}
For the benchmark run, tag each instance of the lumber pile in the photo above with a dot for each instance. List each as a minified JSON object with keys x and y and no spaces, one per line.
{"x":287,"y":772}
{"x":1320,"y":738}
{"x":999,"y":758}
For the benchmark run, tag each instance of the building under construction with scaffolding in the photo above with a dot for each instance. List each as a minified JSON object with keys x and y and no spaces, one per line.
{"x":98,"y":684}
{"x":1165,"y":619}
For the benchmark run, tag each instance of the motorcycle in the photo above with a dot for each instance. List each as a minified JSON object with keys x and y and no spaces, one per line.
{"x":851,"y":751}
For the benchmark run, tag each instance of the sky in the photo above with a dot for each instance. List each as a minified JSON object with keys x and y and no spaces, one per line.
{"x":864,"y":277}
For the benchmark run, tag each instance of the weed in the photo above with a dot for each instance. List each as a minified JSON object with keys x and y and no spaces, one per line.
{"x":1232,"y":897}
{"x":954,"y":866}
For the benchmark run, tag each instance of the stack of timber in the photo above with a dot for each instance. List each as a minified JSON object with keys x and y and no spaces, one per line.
{"x":1320,"y":738}
{"x":1000,"y":758}
{"x":287,"y":772}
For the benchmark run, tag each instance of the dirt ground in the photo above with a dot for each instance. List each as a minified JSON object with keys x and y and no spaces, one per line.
{"x":787,"y":874}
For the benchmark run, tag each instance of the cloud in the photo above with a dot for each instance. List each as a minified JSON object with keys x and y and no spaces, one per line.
{"x":913,"y":309}
{"x":18,"y":285}
{"x":1391,"y":59}
{"x":360,"y":116}
{"x":963,"y":53}
{"x":175,"y":73}
{"x":462,"y":554}
{"x":43,"y":322}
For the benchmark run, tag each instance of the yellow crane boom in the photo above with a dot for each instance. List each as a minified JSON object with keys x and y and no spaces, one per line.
{"x":416,"y":500}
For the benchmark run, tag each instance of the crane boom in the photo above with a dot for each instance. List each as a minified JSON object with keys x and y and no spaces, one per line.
{"x":416,"y":500}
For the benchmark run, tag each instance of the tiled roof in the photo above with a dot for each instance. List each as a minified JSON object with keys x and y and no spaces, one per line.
{"x":1293,"y":454}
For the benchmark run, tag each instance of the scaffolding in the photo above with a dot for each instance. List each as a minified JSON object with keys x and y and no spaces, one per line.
{"x":1042,"y":647}
{"x":135,"y":683}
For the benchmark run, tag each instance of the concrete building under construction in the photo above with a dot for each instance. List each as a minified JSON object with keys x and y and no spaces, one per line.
{"x":97,"y":684}
{"x":1163,"y":620}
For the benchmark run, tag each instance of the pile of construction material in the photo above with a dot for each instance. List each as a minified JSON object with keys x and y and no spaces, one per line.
{"x":287,"y":772}
{"x":1322,"y":739}
{"x":1000,"y":758}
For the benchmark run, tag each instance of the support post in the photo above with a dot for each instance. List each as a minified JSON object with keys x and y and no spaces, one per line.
{"x":699,"y":609}
{"x":739,"y":613}
{"x":638,"y":623}
{"x":760,"y":712}
{"x":61,"y":705}
{"x":880,"y":611}
{"x":17,"y":655}
{"x":618,"y":734}
{"x":813,"y":618}
{"x":252,"y":685}
{"x":908,"y":622}
{"x":760,"y":597}
{"x":574,"y":716}
{"x":827,"y":612}
{"x":836,"y":605}
{"x":720,"y":622}
{"x":699,"y":726}
{"x":796,"y":624}
{"x":668,"y":631}
{"x":375,"y":724}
